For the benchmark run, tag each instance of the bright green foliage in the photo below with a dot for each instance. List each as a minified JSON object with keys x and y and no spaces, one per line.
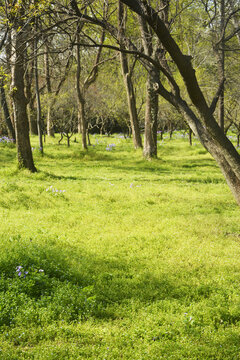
{"x":141,"y":259}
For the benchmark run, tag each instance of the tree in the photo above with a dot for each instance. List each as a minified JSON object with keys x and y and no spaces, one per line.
{"x":19,"y":35}
{"x":82,"y":85}
{"x":151,"y":112}
{"x":203,"y":122}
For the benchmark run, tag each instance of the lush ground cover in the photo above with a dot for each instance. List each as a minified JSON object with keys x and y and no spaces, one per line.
{"x":104,"y":255}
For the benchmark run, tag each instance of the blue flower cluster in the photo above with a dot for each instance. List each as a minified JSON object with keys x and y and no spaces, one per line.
{"x":22,"y":273}
{"x":110,"y":147}
{"x":5,"y":139}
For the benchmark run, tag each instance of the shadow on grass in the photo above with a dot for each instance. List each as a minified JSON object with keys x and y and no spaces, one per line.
{"x":115,"y":161}
{"x":59,"y":177}
{"x":7,"y":157}
{"x":156,"y":167}
{"x":159,"y":167}
{"x":114,"y":281}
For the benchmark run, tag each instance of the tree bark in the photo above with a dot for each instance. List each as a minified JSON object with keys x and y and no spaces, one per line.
{"x":24,"y":151}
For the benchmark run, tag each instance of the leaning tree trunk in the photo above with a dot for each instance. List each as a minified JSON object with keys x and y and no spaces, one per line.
{"x":209,"y":141}
{"x":217,"y":153}
{"x":24,"y":151}
{"x":11,"y":131}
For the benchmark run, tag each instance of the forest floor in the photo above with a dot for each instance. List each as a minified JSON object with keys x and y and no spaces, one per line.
{"x":104,"y":255}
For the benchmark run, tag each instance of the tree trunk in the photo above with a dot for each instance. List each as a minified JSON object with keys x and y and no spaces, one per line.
{"x":39,"y":125}
{"x":50,"y":128}
{"x":137,"y":140}
{"x":89,"y":80}
{"x":81,"y":100}
{"x":82,"y":120}
{"x":32,"y":117}
{"x":221,"y":64}
{"x":212,"y":146}
{"x":29,"y":81}
{"x":24,"y":151}
{"x":88,"y":137}
{"x":11,"y":131}
{"x":190,"y":136}
{"x":151,"y":114}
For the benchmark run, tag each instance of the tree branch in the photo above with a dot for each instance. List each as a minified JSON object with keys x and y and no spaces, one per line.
{"x":216,"y":97}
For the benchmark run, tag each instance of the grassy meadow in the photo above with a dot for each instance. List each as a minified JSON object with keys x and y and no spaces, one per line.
{"x":104,"y":255}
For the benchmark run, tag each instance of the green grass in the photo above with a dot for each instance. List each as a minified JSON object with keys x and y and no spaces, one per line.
{"x":141,"y":259}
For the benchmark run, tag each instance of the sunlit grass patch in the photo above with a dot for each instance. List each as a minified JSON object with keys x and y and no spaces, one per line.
{"x":140,"y":258}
